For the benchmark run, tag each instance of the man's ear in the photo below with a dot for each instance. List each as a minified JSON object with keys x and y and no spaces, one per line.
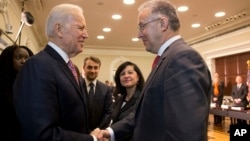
{"x":58,"y":30}
{"x":164,"y":24}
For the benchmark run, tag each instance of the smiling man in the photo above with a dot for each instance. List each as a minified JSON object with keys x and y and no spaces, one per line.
{"x":49,"y":101}
{"x":98,"y":93}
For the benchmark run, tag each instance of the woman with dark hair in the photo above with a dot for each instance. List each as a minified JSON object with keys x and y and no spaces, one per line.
{"x":129,"y":83}
{"x":12,"y":59}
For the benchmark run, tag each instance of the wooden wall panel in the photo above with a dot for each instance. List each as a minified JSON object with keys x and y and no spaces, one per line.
{"x":229,"y":67}
{"x":242,"y":63}
{"x":220,"y":66}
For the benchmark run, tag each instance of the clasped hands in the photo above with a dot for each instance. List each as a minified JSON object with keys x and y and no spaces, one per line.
{"x":101,"y":135}
{"x":238,"y":100}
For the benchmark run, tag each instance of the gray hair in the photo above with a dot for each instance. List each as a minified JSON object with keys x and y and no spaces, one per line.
{"x":60,"y":14}
{"x":163,"y":7}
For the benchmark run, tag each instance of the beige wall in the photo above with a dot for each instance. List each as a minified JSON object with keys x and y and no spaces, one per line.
{"x":27,"y":36}
{"x":112,"y":59}
{"x":229,"y":44}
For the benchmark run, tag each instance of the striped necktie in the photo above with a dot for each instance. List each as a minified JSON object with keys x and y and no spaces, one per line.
{"x":73,"y":70}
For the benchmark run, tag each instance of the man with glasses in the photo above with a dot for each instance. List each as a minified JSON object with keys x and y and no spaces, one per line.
{"x":176,"y":97}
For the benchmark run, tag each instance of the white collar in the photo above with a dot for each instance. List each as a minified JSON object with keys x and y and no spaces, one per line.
{"x":167,"y":43}
{"x":59,"y":51}
{"x":88,"y":82}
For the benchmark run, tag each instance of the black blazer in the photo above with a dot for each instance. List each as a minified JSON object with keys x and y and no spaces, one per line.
{"x":120,"y":113}
{"x":175,"y":100}
{"x":241,"y":93}
{"x":49,"y":103}
{"x":101,"y":110}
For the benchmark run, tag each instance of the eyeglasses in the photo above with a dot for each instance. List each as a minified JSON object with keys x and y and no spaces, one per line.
{"x":143,"y":25}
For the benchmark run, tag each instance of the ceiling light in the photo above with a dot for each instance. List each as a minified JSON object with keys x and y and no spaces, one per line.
{"x":100,"y":37}
{"x":135,"y":39}
{"x":106,"y":29}
{"x":116,"y":16}
{"x":196,"y":25}
{"x":128,"y":2}
{"x":182,"y":8}
{"x":219,"y":14}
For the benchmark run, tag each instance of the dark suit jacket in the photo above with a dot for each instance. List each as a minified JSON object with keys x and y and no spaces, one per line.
{"x":175,"y":100}
{"x":9,"y":125}
{"x":120,"y":113}
{"x":101,"y":110}
{"x":49,"y":103}
{"x":220,"y":95}
{"x":241,"y":93}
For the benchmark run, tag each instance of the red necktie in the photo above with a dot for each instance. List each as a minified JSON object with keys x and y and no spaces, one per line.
{"x":155,"y":61}
{"x":73,"y":70}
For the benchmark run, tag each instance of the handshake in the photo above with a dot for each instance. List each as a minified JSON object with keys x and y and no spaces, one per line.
{"x":101,"y":135}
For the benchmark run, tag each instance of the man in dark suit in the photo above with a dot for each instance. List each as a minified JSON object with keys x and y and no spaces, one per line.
{"x":49,"y":100}
{"x":239,"y":92}
{"x":175,"y":100}
{"x":239,"y":95}
{"x":100,"y":102}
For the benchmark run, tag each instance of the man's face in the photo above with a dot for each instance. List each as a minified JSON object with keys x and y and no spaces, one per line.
{"x":73,"y":35}
{"x":238,"y":80}
{"x":91,"y":70}
{"x":150,"y":30}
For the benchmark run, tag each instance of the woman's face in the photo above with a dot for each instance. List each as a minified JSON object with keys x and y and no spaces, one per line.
{"x":20,"y":56}
{"x":129,"y":77}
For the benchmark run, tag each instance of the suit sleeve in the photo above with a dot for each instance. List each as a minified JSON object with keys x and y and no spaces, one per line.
{"x":187,"y":93}
{"x":37,"y":98}
{"x":107,"y":109}
{"x":125,"y":127}
{"x":233,"y":92}
{"x":244,"y":92}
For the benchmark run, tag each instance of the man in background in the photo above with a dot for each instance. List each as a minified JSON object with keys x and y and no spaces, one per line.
{"x":239,"y":95}
{"x":98,"y":93}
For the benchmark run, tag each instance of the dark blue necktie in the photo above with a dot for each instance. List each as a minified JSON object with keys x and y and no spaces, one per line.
{"x":91,"y":92}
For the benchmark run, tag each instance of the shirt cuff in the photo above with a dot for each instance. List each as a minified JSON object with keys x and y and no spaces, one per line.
{"x":95,"y":139}
{"x":111,"y":132}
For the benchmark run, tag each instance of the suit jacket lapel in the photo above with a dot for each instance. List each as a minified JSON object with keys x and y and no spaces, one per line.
{"x":150,"y":77}
{"x":86,"y":94}
{"x":132,"y":101}
{"x":95,"y":98}
{"x":164,"y":57}
{"x":84,"y":91}
{"x":65,"y":69}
